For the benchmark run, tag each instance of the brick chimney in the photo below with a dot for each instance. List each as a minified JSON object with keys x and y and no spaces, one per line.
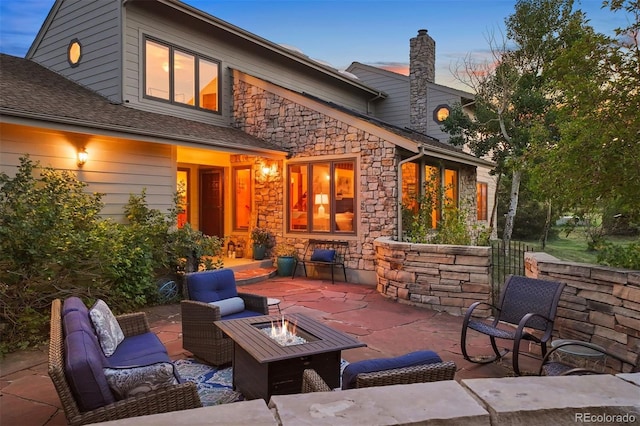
{"x":422,"y":70}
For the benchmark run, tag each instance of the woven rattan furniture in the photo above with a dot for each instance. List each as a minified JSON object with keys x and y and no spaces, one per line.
{"x":553,"y":365}
{"x":525,"y":304}
{"x":199,"y":334}
{"x":173,"y":398}
{"x":446,"y":370}
{"x":333,"y":256}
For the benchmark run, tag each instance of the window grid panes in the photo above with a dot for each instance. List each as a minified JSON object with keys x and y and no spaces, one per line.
{"x":321,"y":197}
{"x":181,"y":77}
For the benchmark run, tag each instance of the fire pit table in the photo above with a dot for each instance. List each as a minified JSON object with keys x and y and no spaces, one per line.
{"x":271,"y":352}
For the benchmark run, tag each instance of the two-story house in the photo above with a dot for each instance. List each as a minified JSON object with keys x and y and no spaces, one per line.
{"x":158,"y":95}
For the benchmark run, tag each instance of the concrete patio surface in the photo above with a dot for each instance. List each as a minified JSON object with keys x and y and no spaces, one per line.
{"x":27,"y":395}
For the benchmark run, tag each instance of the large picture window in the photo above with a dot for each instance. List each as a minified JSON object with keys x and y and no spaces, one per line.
{"x":181,"y":77}
{"x":322,"y":197}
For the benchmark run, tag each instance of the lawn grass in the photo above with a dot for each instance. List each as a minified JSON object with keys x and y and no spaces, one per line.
{"x":573,"y":247}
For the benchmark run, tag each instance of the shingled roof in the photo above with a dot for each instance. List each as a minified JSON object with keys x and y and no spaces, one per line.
{"x":29,"y":90}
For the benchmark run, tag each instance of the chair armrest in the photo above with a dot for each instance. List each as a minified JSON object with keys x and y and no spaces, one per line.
{"x":200,"y":312}
{"x":415,"y":374}
{"x":312,"y":382}
{"x":134,"y":324}
{"x":255,"y":302}
{"x":472,"y":307}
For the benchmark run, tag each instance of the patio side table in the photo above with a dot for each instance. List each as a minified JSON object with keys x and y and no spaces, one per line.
{"x":579,"y":356}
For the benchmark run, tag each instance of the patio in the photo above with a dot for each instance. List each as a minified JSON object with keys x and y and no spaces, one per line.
{"x":388,"y":328}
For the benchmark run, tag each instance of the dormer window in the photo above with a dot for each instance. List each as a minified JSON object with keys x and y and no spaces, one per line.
{"x":181,"y":77}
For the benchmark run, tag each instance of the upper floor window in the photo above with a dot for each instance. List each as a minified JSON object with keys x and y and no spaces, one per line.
{"x":181,"y":77}
{"x":322,"y":197}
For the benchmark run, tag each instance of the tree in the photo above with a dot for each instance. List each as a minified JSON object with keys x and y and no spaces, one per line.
{"x":512,"y":101}
{"x":592,"y":156}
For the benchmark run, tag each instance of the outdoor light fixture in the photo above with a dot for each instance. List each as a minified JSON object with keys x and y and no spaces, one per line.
{"x":82,"y":157}
{"x":321,"y":199}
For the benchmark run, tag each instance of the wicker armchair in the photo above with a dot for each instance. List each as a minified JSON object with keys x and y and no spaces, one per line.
{"x":525,"y":303}
{"x":446,"y":370}
{"x":173,"y":398}
{"x":199,"y":334}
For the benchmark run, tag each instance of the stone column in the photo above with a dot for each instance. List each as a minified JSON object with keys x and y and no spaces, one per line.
{"x":422,"y":70}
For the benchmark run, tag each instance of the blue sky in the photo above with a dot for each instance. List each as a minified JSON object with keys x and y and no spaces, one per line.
{"x":374,"y":32}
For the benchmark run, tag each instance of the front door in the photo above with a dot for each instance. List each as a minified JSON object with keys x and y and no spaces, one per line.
{"x":212,"y":202}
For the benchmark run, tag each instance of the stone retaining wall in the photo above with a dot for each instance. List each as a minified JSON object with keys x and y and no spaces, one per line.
{"x":440,"y":277}
{"x":599,"y":304}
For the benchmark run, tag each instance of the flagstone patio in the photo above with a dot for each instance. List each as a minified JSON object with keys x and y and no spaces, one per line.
{"x":387,"y":327}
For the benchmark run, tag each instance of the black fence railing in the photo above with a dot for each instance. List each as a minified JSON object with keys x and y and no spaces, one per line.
{"x":506,"y":260}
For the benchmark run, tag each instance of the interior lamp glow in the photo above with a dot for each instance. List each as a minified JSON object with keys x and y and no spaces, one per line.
{"x":82,"y":157}
{"x":321,"y":199}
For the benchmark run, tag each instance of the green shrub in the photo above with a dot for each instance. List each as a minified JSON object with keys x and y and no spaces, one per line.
{"x":620,"y":256}
{"x":54,"y":244}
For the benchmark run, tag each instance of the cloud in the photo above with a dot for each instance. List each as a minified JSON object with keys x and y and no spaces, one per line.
{"x":20,"y":23}
{"x":397,"y":67}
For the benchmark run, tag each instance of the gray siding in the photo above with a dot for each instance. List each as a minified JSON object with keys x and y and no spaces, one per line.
{"x":394,"y":109}
{"x":96,"y":24}
{"x":115,"y":167}
{"x":202,"y":39}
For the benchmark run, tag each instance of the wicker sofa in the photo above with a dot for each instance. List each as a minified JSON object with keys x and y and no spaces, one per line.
{"x":77,"y":364}
{"x":213,"y":296}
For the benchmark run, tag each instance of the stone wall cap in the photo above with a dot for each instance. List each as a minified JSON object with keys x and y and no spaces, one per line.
{"x":418,"y":403}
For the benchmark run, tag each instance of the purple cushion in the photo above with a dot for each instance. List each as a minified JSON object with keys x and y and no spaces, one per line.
{"x":141,"y":349}
{"x":83,"y":368}
{"x":323,"y":255}
{"x":380,"y":364}
{"x":211,"y":286}
{"x":78,"y":321}
{"x":74,"y":304}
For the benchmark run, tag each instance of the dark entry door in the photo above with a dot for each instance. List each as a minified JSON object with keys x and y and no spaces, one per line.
{"x":212,"y":202}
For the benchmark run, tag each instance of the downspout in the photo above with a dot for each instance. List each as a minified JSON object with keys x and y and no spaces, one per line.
{"x":415,"y":157}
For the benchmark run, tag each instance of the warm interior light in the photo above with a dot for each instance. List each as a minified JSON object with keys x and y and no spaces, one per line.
{"x":82,"y":157}
{"x":321,"y":199}
{"x":266,"y":170}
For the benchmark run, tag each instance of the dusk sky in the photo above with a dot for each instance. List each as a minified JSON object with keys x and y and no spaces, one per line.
{"x":375,"y":32}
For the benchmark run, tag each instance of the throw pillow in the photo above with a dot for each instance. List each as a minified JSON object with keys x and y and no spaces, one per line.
{"x":109,"y":333}
{"x":229,"y":306}
{"x":381,"y":364}
{"x":323,"y":255}
{"x":130,"y":381}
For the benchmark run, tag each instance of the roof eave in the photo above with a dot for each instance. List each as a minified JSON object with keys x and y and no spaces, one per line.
{"x":61,"y":123}
{"x":273,"y":47}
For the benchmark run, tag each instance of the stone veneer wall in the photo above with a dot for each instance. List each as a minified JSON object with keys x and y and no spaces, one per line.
{"x":599,"y":304}
{"x":307,"y":133}
{"x":440,"y":277}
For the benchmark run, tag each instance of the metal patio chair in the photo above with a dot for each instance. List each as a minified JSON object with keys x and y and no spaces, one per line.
{"x":525,"y":303}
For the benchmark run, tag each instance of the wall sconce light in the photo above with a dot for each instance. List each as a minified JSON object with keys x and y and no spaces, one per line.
{"x":82,"y":157}
{"x":321,"y":199}
{"x":268,"y":172}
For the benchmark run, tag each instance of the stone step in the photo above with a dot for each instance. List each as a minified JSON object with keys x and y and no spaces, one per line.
{"x":254,"y":275}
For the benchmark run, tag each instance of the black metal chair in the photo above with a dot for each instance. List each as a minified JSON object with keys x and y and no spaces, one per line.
{"x":558,"y":366}
{"x":529,"y":303}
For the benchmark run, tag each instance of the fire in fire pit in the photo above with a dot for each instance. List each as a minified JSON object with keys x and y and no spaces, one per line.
{"x":284,"y":333}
